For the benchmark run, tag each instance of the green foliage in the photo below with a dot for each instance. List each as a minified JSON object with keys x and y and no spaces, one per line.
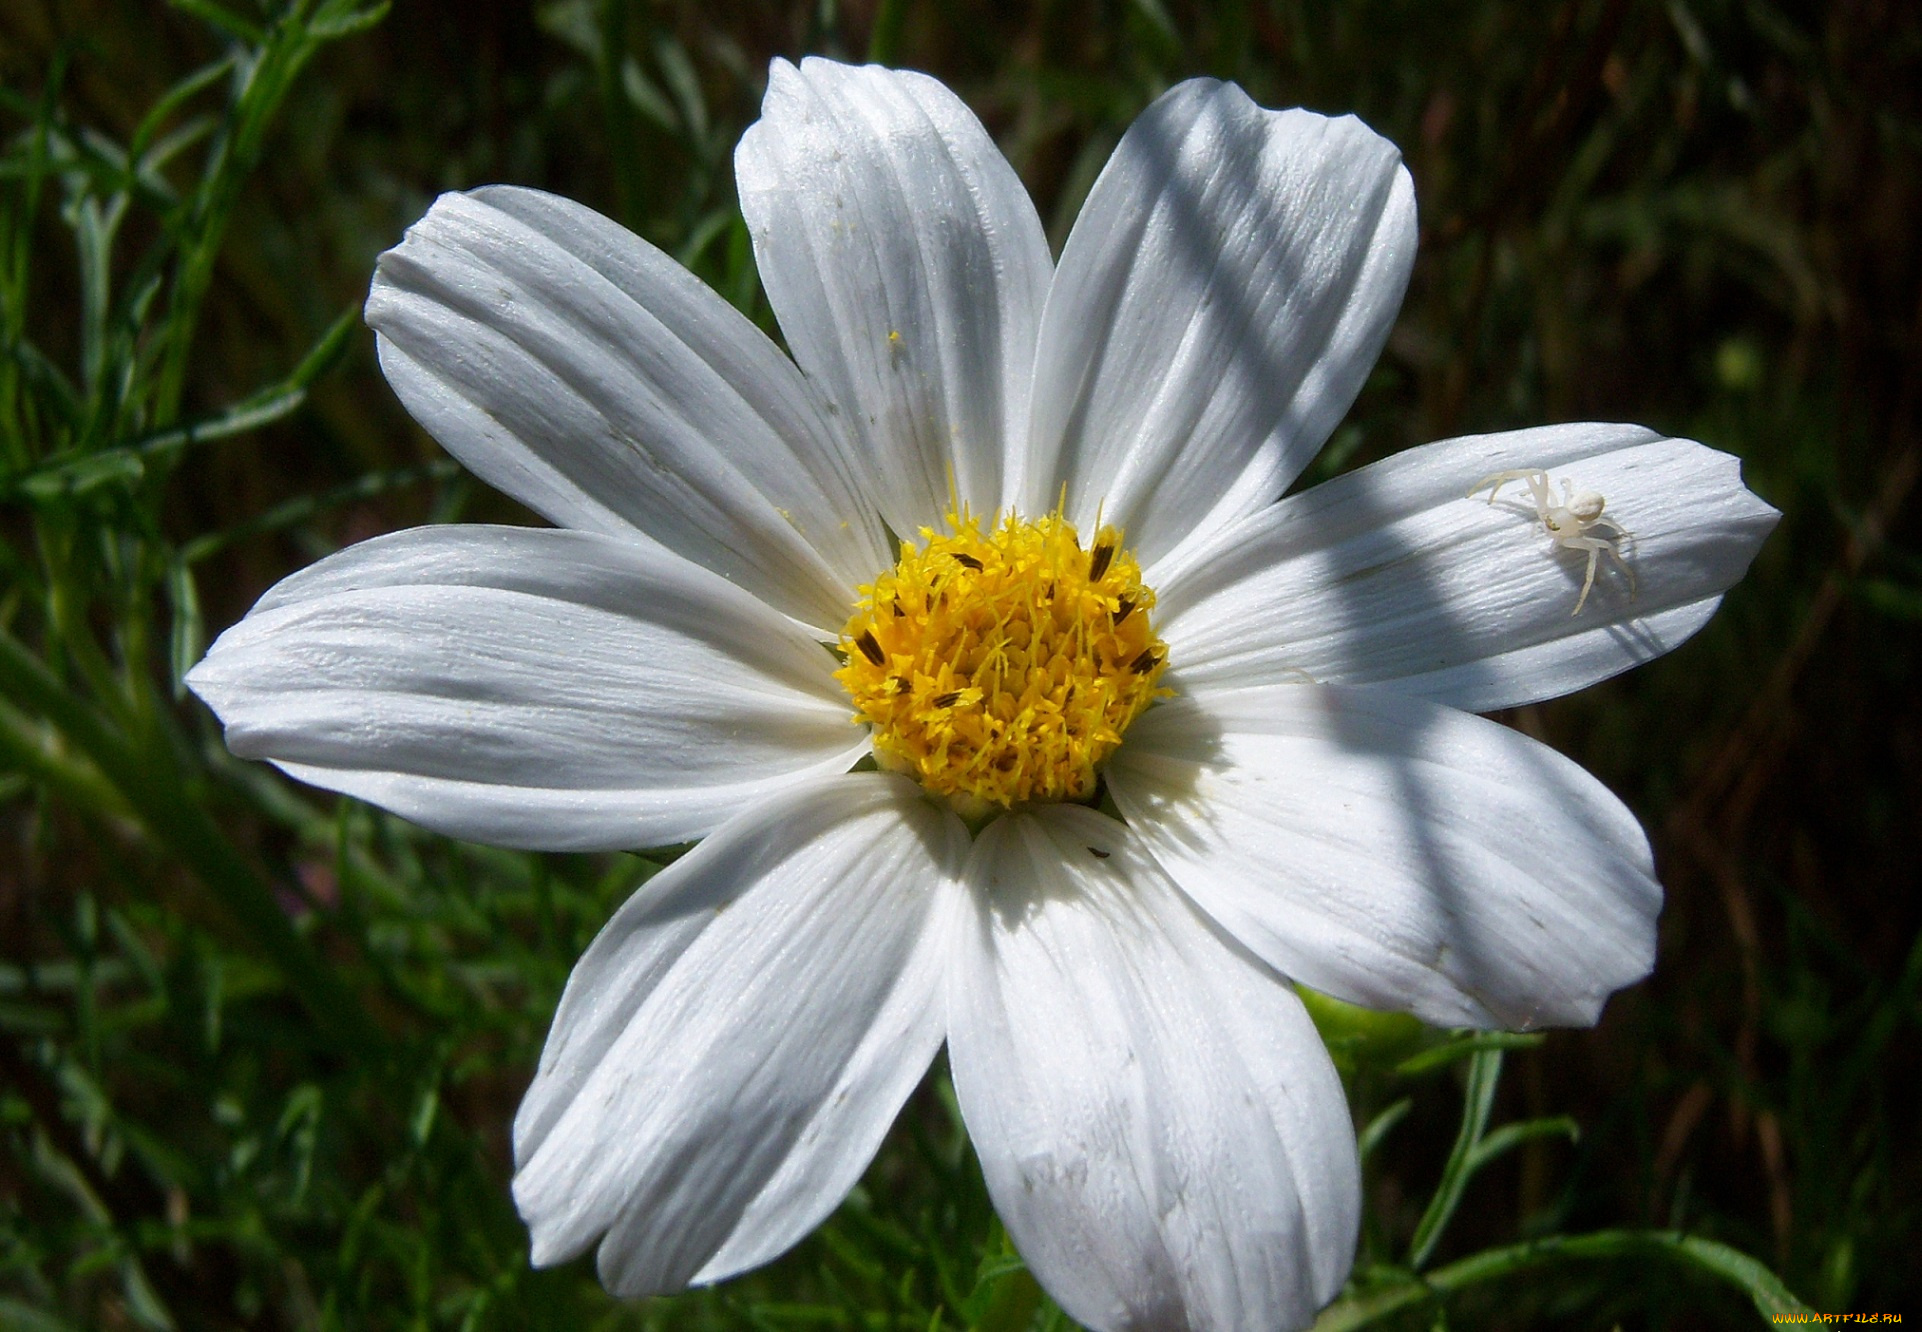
{"x":262,"y":1048}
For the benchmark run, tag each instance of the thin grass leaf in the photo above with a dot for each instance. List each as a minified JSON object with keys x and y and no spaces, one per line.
{"x":173,"y":819}
{"x":95,"y":223}
{"x":263,"y":77}
{"x":19,"y":1316}
{"x":301,"y":509}
{"x":143,"y":1303}
{"x":187,"y":639}
{"x":1012,"y":1298}
{"x":148,"y":131}
{"x":222,"y":19}
{"x":685,"y":84}
{"x":647,"y":98}
{"x":336,"y":21}
{"x":1772,"y":1299}
{"x":29,"y":750}
{"x":704,"y":233}
{"x":1441,"y":1056}
{"x":262,"y":409}
{"x":615,"y":109}
{"x":54,"y":390}
{"x":1381,"y":1126}
{"x":1510,"y":1136}
{"x":884,"y":39}
{"x":33,"y":174}
{"x":1156,"y":21}
{"x":1484,"y":1077}
{"x":1887,"y":597}
{"x":75,"y":477}
{"x":167,"y":147}
{"x":129,"y":463}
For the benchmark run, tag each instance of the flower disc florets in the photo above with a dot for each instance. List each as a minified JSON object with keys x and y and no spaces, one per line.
{"x":1000,"y":669}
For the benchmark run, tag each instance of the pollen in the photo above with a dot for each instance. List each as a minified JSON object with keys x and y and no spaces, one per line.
{"x":1001,"y":668}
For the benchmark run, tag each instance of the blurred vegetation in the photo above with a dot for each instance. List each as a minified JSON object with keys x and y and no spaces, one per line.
{"x":261,"y":1047}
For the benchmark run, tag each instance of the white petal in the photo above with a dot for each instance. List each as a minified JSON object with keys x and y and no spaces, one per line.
{"x":1220,"y":300}
{"x":908,"y":270}
{"x":1159,"y":1125}
{"x":1396,"y":853}
{"x":571,"y":364}
{"x":527,"y":687}
{"x":1393,"y":575}
{"x":732,"y":1048}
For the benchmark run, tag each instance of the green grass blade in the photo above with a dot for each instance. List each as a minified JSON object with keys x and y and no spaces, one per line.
{"x":171,"y":101}
{"x":1381,"y":1126}
{"x":174,"y":818}
{"x":1765,"y":1291}
{"x":221,"y":19}
{"x":1442,"y":1056}
{"x":303,"y":507}
{"x":1484,"y":1077}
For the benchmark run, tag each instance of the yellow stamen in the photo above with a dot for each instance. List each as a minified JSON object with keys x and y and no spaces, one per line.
{"x":999,"y":669}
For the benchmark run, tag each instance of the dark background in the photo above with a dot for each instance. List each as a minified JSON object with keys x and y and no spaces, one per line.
{"x":1700,"y":215}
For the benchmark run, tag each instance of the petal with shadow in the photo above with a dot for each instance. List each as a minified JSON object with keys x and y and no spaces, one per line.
{"x":735,"y":1043}
{"x":570,"y":364}
{"x":1219,"y":302}
{"x":1160,"y":1127}
{"x":908,"y":269}
{"x":529,"y":687}
{"x":1394,"y":575}
{"x":1396,"y":853}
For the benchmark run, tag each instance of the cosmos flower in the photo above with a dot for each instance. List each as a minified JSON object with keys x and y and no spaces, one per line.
{"x":1014,"y":709}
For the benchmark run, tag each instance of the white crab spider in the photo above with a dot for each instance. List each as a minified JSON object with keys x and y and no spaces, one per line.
{"x":1569,"y":523}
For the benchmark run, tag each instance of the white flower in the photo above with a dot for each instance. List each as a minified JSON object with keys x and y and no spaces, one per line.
{"x":1160,"y":1128}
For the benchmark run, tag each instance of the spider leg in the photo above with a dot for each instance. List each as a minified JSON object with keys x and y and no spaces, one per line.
{"x":1500,"y":479}
{"x":1544,"y":496}
{"x":1588,"y":581}
{"x":1621,"y":563}
{"x":1594,"y":546}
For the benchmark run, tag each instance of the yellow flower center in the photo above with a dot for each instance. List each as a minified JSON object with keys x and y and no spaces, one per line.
{"x":1002,"y":668}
